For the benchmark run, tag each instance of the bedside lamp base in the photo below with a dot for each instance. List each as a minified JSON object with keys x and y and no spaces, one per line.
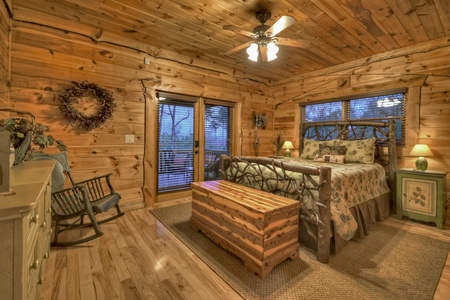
{"x":288,"y":153}
{"x":421,"y":164}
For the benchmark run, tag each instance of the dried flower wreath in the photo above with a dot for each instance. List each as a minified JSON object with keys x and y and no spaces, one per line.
{"x":80,"y":89}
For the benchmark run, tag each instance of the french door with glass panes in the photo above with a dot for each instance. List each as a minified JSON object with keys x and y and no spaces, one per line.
{"x":192,"y":134}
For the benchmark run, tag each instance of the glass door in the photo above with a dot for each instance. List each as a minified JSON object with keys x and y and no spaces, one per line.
{"x":175,"y":145}
{"x":192,"y":134}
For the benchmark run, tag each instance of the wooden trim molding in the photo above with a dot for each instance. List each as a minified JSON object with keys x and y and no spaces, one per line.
{"x":412,"y":116}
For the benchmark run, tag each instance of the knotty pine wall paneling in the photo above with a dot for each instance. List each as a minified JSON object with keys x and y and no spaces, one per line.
{"x":5,"y":44}
{"x":423,"y":69}
{"x":49,"y":51}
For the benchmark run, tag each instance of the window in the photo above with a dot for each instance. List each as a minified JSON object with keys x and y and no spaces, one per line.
{"x":218,"y":120}
{"x":382,"y":107}
{"x":330,"y":111}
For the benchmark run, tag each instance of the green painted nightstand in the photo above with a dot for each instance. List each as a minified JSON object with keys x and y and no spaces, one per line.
{"x":420,"y":195}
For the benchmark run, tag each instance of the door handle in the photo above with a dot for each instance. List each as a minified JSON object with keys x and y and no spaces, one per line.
{"x":196,"y":143}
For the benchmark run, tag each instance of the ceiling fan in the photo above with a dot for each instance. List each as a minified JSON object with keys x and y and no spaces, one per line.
{"x":264,"y":37}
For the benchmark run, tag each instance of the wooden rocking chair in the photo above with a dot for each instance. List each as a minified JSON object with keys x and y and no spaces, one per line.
{"x":99,"y":192}
{"x":69,"y":204}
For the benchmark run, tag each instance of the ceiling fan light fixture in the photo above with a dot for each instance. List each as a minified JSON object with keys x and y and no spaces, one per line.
{"x":272,"y":51}
{"x":265,"y":45}
{"x":252,"y":52}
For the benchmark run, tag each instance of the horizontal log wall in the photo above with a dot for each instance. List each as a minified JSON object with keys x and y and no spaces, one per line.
{"x":424,"y":69}
{"x":48,"y":52}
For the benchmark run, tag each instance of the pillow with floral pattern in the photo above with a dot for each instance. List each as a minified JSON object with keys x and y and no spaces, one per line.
{"x":331,"y":149}
{"x":311,"y":148}
{"x":359,"y":151}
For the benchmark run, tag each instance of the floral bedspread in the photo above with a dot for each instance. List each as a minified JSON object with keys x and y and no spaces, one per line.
{"x":351,"y":183}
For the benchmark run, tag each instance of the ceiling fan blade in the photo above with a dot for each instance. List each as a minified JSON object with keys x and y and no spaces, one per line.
{"x":238,"y":30}
{"x":292,"y":42}
{"x":240,"y":47}
{"x":280,"y":25}
{"x":263,"y":52}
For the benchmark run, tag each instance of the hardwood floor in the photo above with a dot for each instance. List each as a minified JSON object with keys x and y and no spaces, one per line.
{"x":138,"y":258}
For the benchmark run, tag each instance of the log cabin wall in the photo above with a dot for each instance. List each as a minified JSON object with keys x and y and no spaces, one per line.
{"x":5,"y":39}
{"x":424,"y":69}
{"x":50,"y":49}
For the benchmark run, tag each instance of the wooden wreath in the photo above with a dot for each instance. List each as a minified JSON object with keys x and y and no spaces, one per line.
{"x":80,"y":89}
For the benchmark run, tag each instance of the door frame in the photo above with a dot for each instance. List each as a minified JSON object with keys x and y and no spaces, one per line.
{"x":199,"y":125}
{"x":150,"y":161}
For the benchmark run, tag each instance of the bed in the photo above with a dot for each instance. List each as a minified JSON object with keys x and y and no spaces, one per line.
{"x":344,"y":180}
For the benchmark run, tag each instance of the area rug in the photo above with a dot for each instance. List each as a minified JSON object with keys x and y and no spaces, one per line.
{"x":388,"y":264}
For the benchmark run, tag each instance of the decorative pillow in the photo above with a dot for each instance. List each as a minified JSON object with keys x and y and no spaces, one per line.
{"x":337,"y":159}
{"x":359,"y":151}
{"x":311,"y":148}
{"x":331,"y":149}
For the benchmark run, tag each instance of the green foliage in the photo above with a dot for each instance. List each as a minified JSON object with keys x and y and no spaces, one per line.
{"x":418,"y":197}
{"x":18,"y":128}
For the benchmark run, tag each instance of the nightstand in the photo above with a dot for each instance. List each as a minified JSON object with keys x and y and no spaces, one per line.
{"x":420,"y":195}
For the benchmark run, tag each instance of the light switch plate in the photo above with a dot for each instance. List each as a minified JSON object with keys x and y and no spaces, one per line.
{"x":129,"y":138}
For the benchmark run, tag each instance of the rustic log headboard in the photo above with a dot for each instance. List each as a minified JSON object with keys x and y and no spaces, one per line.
{"x":384,"y":131}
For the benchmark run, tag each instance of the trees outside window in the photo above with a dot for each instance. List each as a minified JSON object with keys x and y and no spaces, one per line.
{"x":389,"y":106}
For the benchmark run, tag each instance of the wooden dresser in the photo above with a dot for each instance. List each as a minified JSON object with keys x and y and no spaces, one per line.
{"x":25,"y":229}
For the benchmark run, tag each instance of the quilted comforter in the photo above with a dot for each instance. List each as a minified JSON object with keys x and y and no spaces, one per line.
{"x":351,"y":183}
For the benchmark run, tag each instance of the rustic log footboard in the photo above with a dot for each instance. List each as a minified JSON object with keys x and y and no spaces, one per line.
{"x":316,"y":184}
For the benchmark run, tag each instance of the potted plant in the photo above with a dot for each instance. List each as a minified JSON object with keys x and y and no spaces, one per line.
{"x":26,"y":133}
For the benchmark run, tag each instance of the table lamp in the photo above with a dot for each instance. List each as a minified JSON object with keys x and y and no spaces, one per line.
{"x":421,"y":150}
{"x":288,"y":145}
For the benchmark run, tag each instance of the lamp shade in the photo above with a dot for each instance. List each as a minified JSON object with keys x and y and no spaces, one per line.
{"x":421,"y":150}
{"x":288,"y":145}
{"x":254,"y":48}
{"x":272,"y":51}
{"x":252,"y":52}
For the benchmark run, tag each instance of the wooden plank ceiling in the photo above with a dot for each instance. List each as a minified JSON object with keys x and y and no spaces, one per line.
{"x":339,"y":30}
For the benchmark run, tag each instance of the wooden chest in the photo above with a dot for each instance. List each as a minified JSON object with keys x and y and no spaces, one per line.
{"x":259,"y":227}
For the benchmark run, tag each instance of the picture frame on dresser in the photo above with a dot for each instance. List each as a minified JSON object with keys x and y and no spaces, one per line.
{"x":421,"y":195}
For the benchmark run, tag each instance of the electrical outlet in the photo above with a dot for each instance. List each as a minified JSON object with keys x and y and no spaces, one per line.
{"x":129,"y":138}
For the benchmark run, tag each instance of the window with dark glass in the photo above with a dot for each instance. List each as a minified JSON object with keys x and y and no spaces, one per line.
{"x":218,"y":118}
{"x":375,"y":108}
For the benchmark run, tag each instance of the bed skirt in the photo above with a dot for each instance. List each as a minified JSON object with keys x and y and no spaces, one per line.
{"x":366,"y":214}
